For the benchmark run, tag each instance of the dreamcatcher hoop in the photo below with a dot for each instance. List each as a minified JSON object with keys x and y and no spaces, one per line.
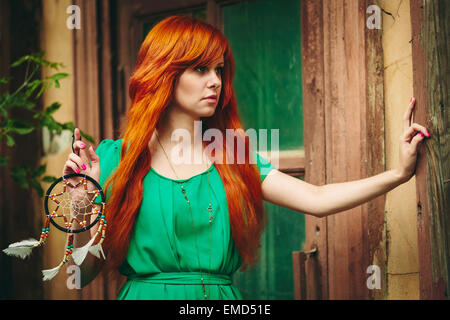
{"x":64,"y":179}
{"x":24,"y":248}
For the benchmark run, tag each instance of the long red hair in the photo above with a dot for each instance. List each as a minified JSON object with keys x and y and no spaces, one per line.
{"x":173,"y":45}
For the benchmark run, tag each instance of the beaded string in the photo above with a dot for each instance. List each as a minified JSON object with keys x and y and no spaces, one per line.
{"x":210,"y":209}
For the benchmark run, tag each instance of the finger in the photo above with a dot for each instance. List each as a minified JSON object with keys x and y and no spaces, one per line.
{"x":79,"y":162}
{"x":84,"y":155}
{"x":422,"y":129}
{"x":94,"y":158}
{"x":77,"y":134}
{"x":76,"y":138}
{"x":408,"y":114}
{"x":72,"y":165}
{"x":78,"y":144}
{"x":411,"y":131}
{"x":416,"y":140}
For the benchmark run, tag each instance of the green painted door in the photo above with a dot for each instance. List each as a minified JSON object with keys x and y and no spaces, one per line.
{"x":265,"y":38}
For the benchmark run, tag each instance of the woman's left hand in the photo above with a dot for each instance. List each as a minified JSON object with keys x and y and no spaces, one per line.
{"x":412,"y":135}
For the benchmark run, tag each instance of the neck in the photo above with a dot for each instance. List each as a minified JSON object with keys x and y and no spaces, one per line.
{"x":175,"y":124}
{"x":178,"y":127}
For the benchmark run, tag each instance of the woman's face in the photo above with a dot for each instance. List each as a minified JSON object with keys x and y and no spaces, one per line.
{"x":195,"y":85}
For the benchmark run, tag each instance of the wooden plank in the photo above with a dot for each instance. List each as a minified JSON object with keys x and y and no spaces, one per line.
{"x":431,"y":86}
{"x":87,"y":109}
{"x":107,"y":105}
{"x":336,"y":168}
{"x":87,"y":113}
{"x":374,"y":247}
{"x":347,"y":134}
{"x":298,"y":266}
{"x":314,"y":137}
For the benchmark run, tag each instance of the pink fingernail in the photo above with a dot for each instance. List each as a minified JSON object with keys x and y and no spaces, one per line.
{"x":421,"y":134}
{"x":83,"y":145}
{"x":428,"y":134}
{"x":83,"y":167}
{"x":78,"y":170}
{"x":410,"y":100}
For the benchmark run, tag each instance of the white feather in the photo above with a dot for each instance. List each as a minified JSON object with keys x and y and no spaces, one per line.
{"x":50,"y":273}
{"x":96,"y":250}
{"x":21,"y":249}
{"x":79,"y":254}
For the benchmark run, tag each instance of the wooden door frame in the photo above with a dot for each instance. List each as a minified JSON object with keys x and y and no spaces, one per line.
{"x":327,"y":41}
{"x":431,"y":87}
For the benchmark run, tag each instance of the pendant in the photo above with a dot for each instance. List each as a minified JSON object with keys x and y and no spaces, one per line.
{"x":184,"y":193}
{"x":210,"y":212}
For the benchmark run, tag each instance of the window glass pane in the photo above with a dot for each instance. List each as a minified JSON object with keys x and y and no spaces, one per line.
{"x":265,"y":38}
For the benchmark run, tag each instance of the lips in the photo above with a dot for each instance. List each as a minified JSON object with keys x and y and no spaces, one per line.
{"x":213,"y":96}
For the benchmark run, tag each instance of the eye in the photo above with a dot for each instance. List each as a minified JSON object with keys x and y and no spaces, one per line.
{"x":220,"y":70}
{"x":200,"y":69}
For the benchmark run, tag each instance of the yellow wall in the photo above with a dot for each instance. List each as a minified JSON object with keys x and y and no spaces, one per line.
{"x":56,"y":41}
{"x":402,"y":250}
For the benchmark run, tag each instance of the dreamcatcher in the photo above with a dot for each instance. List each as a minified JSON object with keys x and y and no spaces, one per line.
{"x":74,"y":203}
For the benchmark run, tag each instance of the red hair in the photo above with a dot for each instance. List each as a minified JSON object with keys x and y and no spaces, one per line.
{"x":172,"y":46}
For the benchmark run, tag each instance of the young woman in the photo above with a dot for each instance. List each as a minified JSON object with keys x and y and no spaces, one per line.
{"x":180,"y":230}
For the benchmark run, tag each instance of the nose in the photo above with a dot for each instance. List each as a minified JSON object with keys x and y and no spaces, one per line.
{"x":215,"y":80}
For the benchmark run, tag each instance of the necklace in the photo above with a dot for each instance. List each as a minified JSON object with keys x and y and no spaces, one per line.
{"x":210,"y":209}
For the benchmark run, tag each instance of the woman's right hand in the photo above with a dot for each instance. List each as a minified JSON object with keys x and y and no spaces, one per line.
{"x":82,"y":163}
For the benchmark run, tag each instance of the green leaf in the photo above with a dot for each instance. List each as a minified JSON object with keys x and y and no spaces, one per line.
{"x":32,"y":86}
{"x":39,"y":171}
{"x":19,"y":126}
{"x":20,"y":61}
{"x":5,"y":80}
{"x":50,"y":123}
{"x":44,"y":87}
{"x":19,"y":100}
{"x":3,"y":112}
{"x":68,"y":126}
{"x":37,"y":186}
{"x":59,"y":76}
{"x":88,"y":137}
{"x":49,"y":179}
{"x":10,"y":141}
{"x":52,"y":108}
{"x":4,"y":161}
{"x":19,"y":175}
{"x":4,"y":98}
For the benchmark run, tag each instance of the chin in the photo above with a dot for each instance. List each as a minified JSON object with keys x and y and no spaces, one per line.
{"x":208,"y":112}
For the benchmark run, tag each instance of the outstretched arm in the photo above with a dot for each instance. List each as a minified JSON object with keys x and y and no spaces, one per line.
{"x":320,"y":201}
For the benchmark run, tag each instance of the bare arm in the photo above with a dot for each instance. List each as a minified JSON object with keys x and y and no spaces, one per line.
{"x":337,"y":197}
{"x":320,"y":201}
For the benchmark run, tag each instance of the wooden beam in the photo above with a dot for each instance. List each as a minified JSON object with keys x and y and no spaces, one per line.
{"x":298,"y":266}
{"x":430,"y":47}
{"x":374,"y":235}
{"x":314,"y":135}
{"x":344,"y":132}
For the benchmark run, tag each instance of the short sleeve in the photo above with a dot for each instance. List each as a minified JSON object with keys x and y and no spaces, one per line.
{"x":264,"y":166}
{"x":109,"y":153}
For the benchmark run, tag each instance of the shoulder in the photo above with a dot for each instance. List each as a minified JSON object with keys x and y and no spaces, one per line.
{"x":108,"y":151}
{"x":108,"y":145}
{"x":264,"y":166}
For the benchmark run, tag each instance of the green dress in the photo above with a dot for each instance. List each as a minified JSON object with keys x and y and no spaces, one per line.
{"x":162,"y":260}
